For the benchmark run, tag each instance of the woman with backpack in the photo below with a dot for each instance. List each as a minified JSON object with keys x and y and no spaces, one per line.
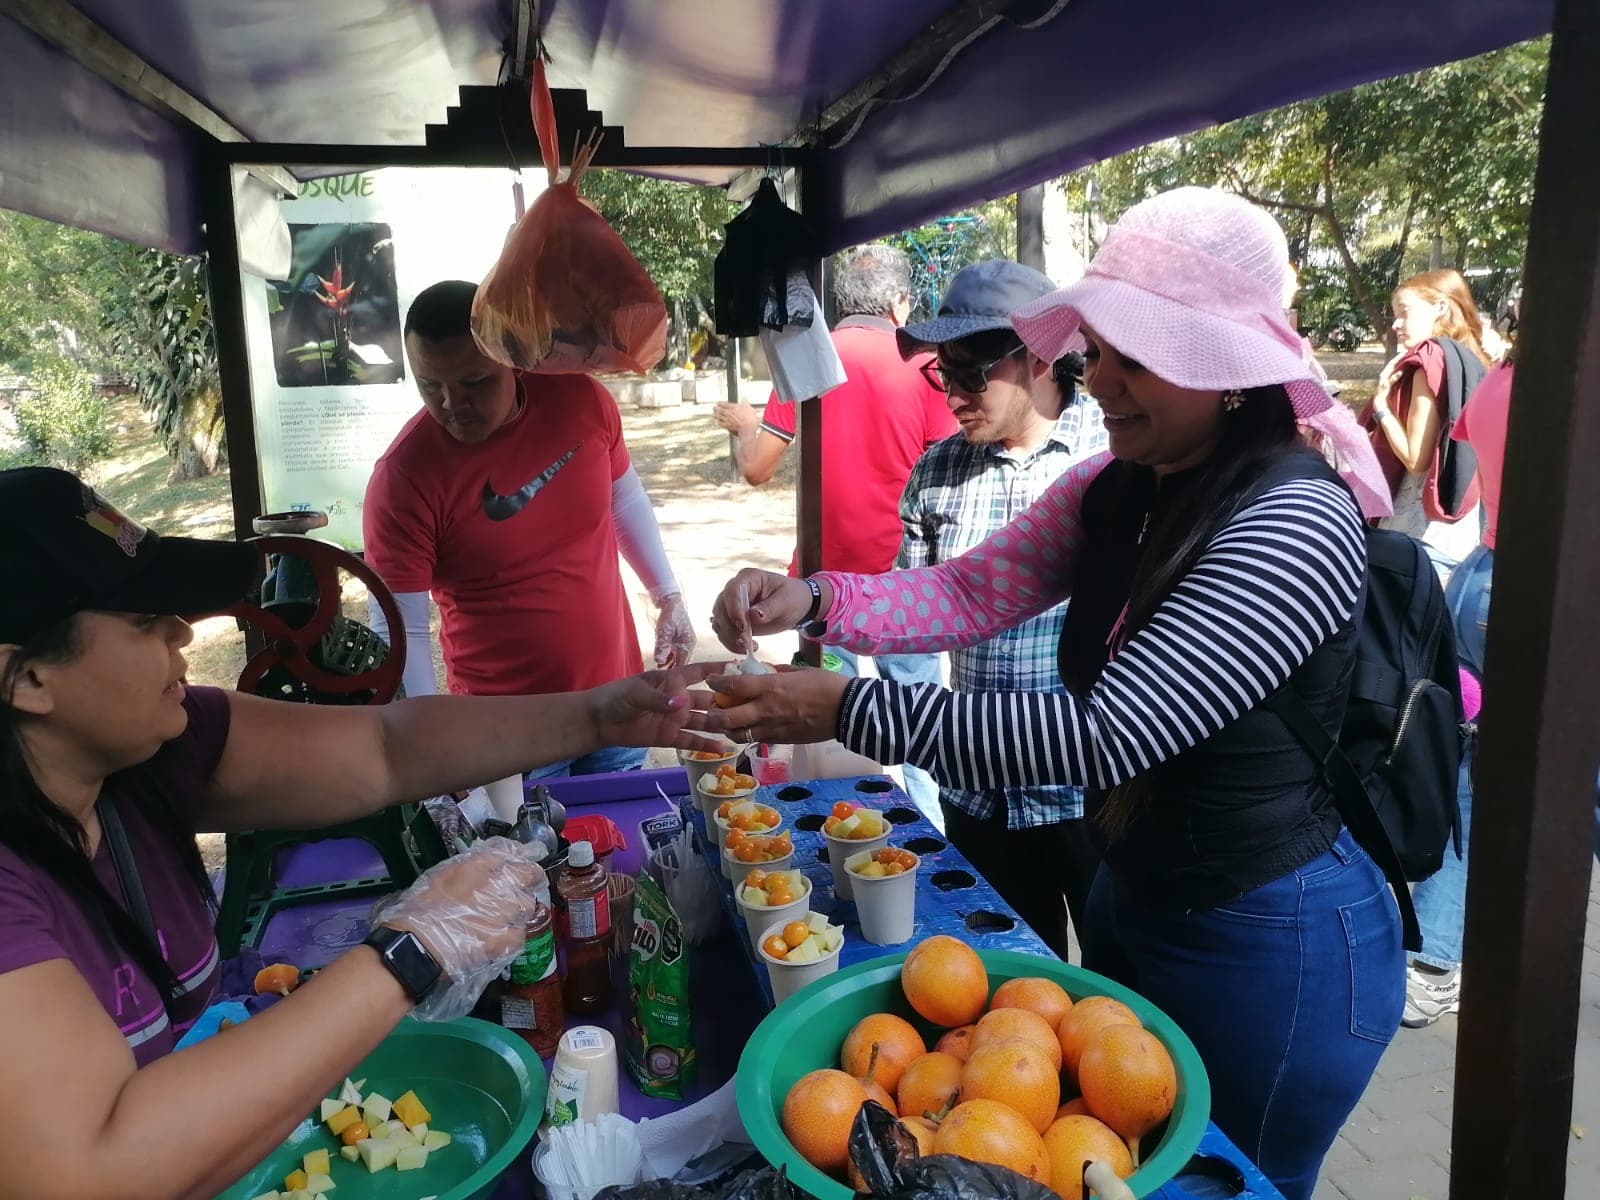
{"x":1211,"y":559}
{"x":1419,"y":398}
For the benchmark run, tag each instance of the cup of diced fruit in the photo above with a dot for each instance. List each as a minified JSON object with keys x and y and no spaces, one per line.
{"x":745,"y":816}
{"x":700,"y":763}
{"x":746,"y":852}
{"x":725,"y":783}
{"x":885,"y":885}
{"x":767,"y":896}
{"x":850,"y":830}
{"x":799,"y":952}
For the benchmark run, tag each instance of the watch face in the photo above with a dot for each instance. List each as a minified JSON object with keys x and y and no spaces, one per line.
{"x":411,"y":963}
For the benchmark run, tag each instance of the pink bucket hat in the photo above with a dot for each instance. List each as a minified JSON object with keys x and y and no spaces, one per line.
{"x":1192,"y":285}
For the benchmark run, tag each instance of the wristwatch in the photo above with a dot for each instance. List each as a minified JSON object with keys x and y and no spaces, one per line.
{"x":408,"y":960}
{"x":808,"y":624}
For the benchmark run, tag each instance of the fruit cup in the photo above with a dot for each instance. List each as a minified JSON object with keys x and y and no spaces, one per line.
{"x":742,"y":813}
{"x":698,"y":764}
{"x":711,"y":791}
{"x":864,"y":829}
{"x":804,"y":963}
{"x":753,"y":852}
{"x":758,"y":916}
{"x":885,"y":886}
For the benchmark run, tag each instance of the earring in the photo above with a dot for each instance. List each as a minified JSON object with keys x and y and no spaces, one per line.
{"x":1232,"y":399}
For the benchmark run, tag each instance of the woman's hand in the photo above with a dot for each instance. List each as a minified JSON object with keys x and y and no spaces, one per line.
{"x":1386,"y":377}
{"x":755,"y":602}
{"x":652,"y":709}
{"x":471,"y":912}
{"x":793,"y":704}
{"x":674,"y":632}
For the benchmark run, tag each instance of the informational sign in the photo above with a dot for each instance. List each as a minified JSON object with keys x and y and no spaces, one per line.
{"x":328,"y":371}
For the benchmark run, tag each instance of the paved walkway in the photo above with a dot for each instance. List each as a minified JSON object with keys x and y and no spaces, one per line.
{"x":1396,"y":1145}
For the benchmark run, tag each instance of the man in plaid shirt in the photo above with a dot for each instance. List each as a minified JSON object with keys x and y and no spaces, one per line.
{"x":1022,"y":425}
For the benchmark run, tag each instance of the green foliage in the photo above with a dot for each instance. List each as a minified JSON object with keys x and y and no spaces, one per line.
{"x":1365,"y":180}
{"x":47,"y":303}
{"x":63,"y":420}
{"x":673,"y":229}
{"x":940,"y":248}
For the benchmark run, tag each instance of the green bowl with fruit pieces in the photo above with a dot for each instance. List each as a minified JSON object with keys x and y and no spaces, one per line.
{"x":806,"y":1032}
{"x":482,"y":1085}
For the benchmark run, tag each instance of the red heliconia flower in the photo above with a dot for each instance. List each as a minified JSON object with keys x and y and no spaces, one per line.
{"x":338,"y":296}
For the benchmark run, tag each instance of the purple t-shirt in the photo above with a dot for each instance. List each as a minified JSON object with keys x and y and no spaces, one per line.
{"x":43,"y":921}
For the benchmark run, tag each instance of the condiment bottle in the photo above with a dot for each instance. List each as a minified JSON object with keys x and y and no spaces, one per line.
{"x":583,"y":1079}
{"x":530,"y":1002}
{"x":585,"y":932}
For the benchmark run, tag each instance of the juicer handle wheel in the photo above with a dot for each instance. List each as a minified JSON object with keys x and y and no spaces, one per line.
{"x":291,"y":648}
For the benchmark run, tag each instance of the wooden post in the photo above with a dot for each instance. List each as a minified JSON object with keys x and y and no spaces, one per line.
{"x":734,"y":371}
{"x":1030,"y":226}
{"x":1533,"y":820}
{"x":808,"y":423}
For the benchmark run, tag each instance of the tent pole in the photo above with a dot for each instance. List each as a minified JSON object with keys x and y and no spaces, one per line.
{"x":1534,"y":820}
{"x":808,"y":487}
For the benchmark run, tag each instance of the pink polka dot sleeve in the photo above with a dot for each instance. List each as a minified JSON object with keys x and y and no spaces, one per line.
{"x":1017,"y":573}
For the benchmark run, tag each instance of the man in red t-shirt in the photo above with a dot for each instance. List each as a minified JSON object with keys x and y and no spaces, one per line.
{"x":874,"y":428}
{"x":508,"y":498}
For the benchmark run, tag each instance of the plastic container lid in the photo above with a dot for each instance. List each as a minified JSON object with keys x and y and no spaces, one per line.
{"x":599,"y":830}
{"x":580,"y":854}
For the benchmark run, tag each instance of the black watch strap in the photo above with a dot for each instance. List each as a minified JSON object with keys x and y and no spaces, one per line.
{"x":808,"y":624}
{"x":408,"y":960}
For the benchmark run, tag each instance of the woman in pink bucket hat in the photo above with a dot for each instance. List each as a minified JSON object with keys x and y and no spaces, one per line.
{"x":1211,"y":557}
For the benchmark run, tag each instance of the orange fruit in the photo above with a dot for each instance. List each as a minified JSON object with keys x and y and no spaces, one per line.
{"x":1015,"y":1073}
{"x":928,"y":1084}
{"x":1043,"y":996}
{"x":876,"y":1092}
{"x":1086,"y":1018}
{"x":988,"y":1131}
{"x":998,"y":1024}
{"x":1073,"y":1108}
{"x":898,"y":1045}
{"x":817,"y":1114}
{"x":945,"y":981}
{"x":1073,"y":1141}
{"x":1128,"y":1080}
{"x":957,"y":1042}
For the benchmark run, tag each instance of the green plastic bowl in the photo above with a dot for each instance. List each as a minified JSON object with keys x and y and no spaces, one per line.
{"x":806,"y":1031}
{"x":483,"y":1085}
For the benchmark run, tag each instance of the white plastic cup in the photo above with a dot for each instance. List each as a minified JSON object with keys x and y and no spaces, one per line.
{"x":840,"y":849}
{"x":735,"y":871}
{"x":720,"y":827}
{"x":789,"y":978}
{"x":710,"y":801}
{"x":757,"y":919}
{"x":886,"y":906}
{"x":698,"y":768}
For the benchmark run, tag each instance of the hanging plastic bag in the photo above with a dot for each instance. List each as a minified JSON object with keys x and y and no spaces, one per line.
{"x":566,"y":296}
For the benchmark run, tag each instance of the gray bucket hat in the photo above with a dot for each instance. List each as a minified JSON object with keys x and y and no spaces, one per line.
{"x":980,"y":298}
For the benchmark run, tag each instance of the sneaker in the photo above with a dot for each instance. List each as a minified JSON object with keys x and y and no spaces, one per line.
{"x":1429,"y":995}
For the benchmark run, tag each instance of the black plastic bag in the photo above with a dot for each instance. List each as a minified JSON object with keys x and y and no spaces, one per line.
{"x":766,"y":1184}
{"x":885,"y":1153}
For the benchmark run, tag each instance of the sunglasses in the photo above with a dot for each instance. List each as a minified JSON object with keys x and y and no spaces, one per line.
{"x":972,"y":378}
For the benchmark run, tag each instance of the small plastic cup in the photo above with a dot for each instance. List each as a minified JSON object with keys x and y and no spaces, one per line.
{"x":709,"y":800}
{"x":698,"y":768}
{"x":774,"y":767}
{"x":788,"y":978}
{"x":886,"y":905}
{"x":756,"y":919}
{"x":736,"y":870}
{"x":840,"y":849}
{"x":620,"y":889}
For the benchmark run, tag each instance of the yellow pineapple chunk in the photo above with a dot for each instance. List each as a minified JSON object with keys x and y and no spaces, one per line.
{"x":294,"y":1181}
{"x":410,"y":1110}
{"x":315,"y":1163}
{"x":343,"y":1119}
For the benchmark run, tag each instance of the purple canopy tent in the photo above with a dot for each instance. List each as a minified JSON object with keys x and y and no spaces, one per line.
{"x":128,"y":116}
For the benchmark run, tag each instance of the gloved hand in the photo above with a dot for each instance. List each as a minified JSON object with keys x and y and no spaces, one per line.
{"x":471,"y":912}
{"x":674,"y":632}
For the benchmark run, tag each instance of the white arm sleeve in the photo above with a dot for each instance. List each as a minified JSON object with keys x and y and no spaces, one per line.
{"x":639,"y":537}
{"x":417,"y":678}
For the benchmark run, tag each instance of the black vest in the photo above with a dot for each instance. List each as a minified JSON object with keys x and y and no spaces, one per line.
{"x":1246,"y":805}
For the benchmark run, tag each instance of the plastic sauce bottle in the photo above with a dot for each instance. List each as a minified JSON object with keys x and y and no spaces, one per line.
{"x":530,"y":1002}
{"x":585,"y":932}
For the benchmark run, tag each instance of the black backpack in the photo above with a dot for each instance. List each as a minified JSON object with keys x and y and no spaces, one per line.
{"x":1393,"y":770}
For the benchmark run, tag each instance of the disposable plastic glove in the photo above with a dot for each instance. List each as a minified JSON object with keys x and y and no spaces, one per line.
{"x":674,"y":633}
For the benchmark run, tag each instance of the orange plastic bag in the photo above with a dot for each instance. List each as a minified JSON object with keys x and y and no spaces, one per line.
{"x":566,"y":295}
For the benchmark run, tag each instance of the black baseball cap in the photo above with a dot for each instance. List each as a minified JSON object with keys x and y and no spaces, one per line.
{"x":64,"y":550}
{"x":981,"y":298}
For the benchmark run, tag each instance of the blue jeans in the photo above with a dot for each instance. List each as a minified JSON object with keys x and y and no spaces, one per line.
{"x":1290,"y":993}
{"x":601,"y":762}
{"x":1441,"y":899}
{"x":904,"y":668}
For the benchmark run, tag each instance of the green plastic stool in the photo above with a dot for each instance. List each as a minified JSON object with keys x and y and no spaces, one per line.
{"x":313,"y":653}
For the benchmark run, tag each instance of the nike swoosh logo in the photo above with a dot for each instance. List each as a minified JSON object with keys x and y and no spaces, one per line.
{"x":502,"y":508}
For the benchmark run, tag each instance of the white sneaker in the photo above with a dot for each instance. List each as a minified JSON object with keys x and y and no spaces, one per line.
{"x":1429,"y":995}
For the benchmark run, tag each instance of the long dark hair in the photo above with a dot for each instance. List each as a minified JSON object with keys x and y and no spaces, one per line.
{"x":1256,"y":432}
{"x":37,"y":831}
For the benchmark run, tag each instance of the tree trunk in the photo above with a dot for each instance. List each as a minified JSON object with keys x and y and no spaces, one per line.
{"x":198,"y":447}
{"x":1398,"y":273}
{"x":1030,"y":227}
{"x":1375,"y":316}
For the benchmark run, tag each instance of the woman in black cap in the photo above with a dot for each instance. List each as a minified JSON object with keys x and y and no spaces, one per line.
{"x":109,"y":764}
